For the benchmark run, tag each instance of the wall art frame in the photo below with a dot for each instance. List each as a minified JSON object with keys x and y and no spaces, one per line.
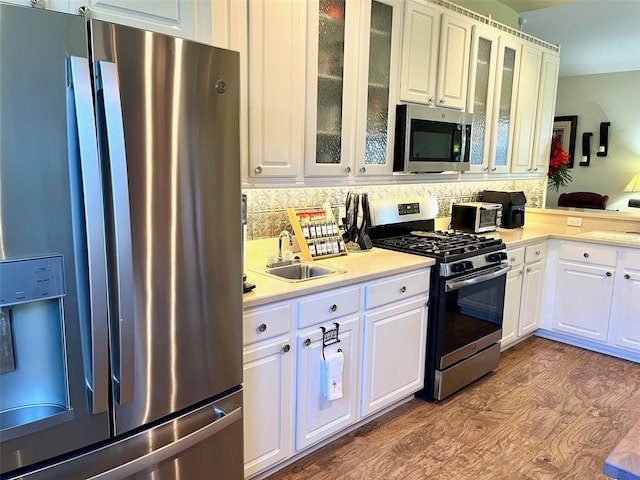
{"x":565,"y":128}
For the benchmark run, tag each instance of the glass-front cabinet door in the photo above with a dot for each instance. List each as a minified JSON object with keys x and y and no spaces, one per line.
{"x":504,"y":104}
{"x":482,"y":77}
{"x":380,"y":40}
{"x":351,"y":55}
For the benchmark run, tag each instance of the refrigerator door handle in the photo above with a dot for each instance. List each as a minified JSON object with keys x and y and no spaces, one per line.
{"x":108,"y":90}
{"x":81,"y":106}
{"x":227,"y":414}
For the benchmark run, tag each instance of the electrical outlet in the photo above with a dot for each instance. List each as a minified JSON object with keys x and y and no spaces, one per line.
{"x":574,"y":221}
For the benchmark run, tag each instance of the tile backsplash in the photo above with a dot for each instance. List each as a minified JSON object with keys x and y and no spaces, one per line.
{"x":266,"y":207}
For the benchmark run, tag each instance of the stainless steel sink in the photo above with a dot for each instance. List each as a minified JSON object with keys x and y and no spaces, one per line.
{"x":300,"y":272}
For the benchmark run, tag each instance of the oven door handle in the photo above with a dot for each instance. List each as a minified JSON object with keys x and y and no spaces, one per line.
{"x":451,"y":285}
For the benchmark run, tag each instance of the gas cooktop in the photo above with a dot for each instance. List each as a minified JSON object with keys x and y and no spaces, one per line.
{"x":443,"y":246}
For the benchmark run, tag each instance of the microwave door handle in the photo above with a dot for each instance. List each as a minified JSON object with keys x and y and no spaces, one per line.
{"x":107,"y":81}
{"x":80,"y":110}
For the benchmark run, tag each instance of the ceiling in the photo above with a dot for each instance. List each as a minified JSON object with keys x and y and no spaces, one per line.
{"x":595,"y":36}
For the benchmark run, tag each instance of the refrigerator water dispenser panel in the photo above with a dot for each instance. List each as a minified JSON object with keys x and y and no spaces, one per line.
{"x":33,"y":374}
{"x":26,"y":280}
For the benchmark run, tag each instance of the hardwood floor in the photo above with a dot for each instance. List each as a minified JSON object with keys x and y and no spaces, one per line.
{"x":549,"y":411}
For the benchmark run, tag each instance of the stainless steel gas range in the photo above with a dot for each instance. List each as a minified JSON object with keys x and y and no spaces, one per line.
{"x":466,"y":299}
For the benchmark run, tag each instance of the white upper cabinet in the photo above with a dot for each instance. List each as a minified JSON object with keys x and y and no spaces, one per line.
{"x":504,"y":104}
{"x":380,"y":27}
{"x":276,"y":80}
{"x":535,"y":109}
{"x":435,"y":57}
{"x":180,"y":18}
{"x":352,"y":56}
{"x":546,"y":111}
{"x":493,"y":79}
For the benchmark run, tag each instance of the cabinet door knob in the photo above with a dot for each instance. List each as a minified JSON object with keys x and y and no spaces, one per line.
{"x":528,"y":269}
{"x":403,"y":289}
{"x":537,"y":253}
{"x":485,"y":169}
{"x":442,"y":101}
{"x":535,"y":169}
{"x":493,"y":169}
{"x":626,"y":276}
{"x":258,"y":170}
{"x":347,"y":170}
{"x":432,"y":100}
{"x":333,"y":307}
{"x":585,"y":255}
{"x":307,"y":342}
{"x":608,"y":274}
{"x":362,"y":169}
{"x":286,"y":348}
{"x":262,"y":327}
{"x":513,"y":259}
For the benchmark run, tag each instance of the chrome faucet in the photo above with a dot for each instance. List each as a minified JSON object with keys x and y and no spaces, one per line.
{"x":283,"y":233}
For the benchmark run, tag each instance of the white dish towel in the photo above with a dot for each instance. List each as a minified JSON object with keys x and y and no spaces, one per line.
{"x":331,"y":374}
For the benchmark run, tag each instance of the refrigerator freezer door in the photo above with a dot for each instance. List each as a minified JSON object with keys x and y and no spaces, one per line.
{"x":43,"y":213}
{"x":180,"y":116}
{"x":199,"y":444}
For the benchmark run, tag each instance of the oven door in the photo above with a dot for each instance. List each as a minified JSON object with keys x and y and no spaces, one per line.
{"x":470,"y":314}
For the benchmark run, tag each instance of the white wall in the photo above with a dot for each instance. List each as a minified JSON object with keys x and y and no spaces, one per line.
{"x":607,"y":97}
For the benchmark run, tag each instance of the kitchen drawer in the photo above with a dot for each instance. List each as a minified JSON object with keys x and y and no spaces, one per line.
{"x":586,"y":253}
{"x":632,"y":261}
{"x":329,"y":306}
{"x":396,"y":288}
{"x":515,"y":257}
{"x":266,"y":322}
{"x":535,"y":252}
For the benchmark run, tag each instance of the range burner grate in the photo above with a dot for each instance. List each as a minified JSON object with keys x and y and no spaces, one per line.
{"x":444,"y":246}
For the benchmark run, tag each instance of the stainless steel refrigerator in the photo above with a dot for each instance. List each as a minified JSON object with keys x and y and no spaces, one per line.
{"x":120,"y":262}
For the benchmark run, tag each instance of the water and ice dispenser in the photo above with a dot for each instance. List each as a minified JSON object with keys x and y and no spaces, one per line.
{"x":34,"y":390}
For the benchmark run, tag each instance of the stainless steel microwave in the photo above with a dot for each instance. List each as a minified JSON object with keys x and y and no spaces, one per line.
{"x":430,"y":139}
{"x":476,"y":217}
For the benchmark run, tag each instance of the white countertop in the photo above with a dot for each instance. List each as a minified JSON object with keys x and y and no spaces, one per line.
{"x":378,"y":263}
{"x":360,"y":267}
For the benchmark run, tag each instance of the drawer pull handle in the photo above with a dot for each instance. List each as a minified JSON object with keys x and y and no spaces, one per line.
{"x":538,"y":253}
{"x":403,"y":289}
{"x":528,"y":269}
{"x":262,"y":327}
{"x":626,"y":276}
{"x":585,"y":255}
{"x":333,"y":307}
{"x":608,"y":274}
{"x":307,"y":342}
{"x":286,"y":348}
{"x":513,"y":259}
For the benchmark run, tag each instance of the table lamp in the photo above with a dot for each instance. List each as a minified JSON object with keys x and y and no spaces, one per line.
{"x":634,"y":186}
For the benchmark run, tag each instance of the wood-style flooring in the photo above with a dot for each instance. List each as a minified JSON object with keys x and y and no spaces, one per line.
{"x":549,"y":411}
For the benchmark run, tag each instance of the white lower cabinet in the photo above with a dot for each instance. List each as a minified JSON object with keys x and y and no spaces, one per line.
{"x":267,"y":411}
{"x":523,"y":293}
{"x":382,"y":328}
{"x":593,"y":297}
{"x":626,"y":305}
{"x":316,"y":417}
{"x":268,"y":375}
{"x":394,"y":354}
{"x":584,"y":289}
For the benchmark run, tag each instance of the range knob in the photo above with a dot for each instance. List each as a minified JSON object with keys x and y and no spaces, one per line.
{"x":495,"y":257}
{"x":457,"y":267}
{"x":468,"y":265}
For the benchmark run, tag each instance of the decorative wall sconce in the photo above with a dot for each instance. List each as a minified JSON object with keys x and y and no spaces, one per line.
{"x":586,"y":149}
{"x":603,"y":149}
